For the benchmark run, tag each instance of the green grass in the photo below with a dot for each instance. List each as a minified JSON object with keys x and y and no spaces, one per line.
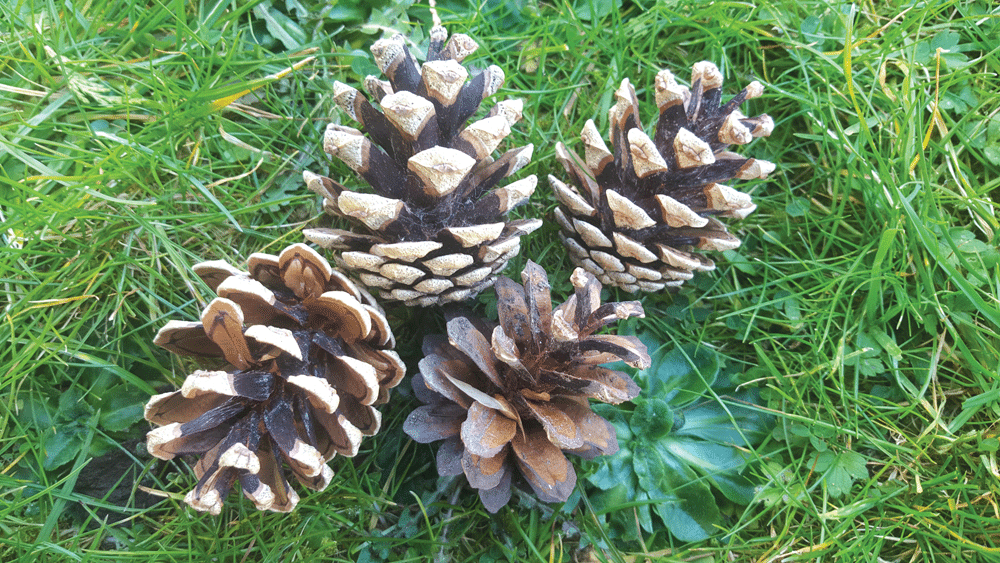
{"x":863,"y":301}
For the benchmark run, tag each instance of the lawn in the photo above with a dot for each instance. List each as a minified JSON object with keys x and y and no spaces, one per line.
{"x":849,"y":348}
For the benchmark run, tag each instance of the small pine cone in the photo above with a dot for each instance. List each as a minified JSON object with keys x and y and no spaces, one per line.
{"x":436,"y":224}
{"x":647,"y":203}
{"x":308,"y":356}
{"x":515,"y":395}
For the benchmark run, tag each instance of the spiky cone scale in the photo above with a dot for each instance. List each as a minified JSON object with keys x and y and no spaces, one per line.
{"x":435,"y":227}
{"x":514,"y":396}
{"x":306,"y":354}
{"x":634,"y":214}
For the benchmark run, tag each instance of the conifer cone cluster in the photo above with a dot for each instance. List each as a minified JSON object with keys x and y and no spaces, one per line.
{"x":306,"y":355}
{"x":642,"y":207}
{"x":516,"y":395}
{"x":436,"y":222}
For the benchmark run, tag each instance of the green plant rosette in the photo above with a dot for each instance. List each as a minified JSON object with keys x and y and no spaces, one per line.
{"x":684,"y":447}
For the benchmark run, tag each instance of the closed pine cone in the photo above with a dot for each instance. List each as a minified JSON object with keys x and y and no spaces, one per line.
{"x":435,"y":226}
{"x":644,"y":206}
{"x":307,"y":357}
{"x":516,"y":395}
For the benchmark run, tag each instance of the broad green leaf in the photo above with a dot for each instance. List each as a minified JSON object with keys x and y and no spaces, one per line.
{"x":35,"y":412}
{"x":608,"y":500}
{"x":63,"y":445}
{"x":961,"y":101}
{"x":870,"y":345}
{"x":887,"y":342}
{"x":650,"y":470}
{"x":926,"y":51}
{"x":840,"y":471}
{"x":798,"y":207}
{"x":644,"y":511}
{"x":707,"y":457}
{"x":652,"y":419}
{"x":297,"y":8}
{"x":991,"y":445}
{"x":588,"y":10}
{"x":690,"y":512}
{"x":798,"y":429}
{"x":362,"y":65}
{"x":948,"y":42}
{"x":993,"y":129}
{"x":613,"y":469}
{"x":345,"y":12}
{"x":739,"y":261}
{"x":720,"y":463}
{"x":122,"y":408}
{"x":871,"y":367}
{"x":709,"y":421}
{"x":72,"y":406}
{"x":790,"y":305}
{"x":291,"y":35}
{"x":818,"y":443}
{"x":810,"y":28}
{"x":737,"y":487}
{"x":683,"y":375}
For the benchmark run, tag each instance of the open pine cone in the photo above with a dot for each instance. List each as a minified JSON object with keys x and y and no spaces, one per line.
{"x":647,"y":203}
{"x":308,"y":355}
{"x":516,"y":395}
{"x":436,"y":224}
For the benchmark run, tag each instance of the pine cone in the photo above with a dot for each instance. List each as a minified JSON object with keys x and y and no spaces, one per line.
{"x":646,"y":204}
{"x":308,"y":356}
{"x":516,"y":394}
{"x":437,"y":223}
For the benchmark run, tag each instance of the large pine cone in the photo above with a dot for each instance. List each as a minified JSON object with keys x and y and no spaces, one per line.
{"x":438,"y":231}
{"x":645,"y":205}
{"x":515,"y":395}
{"x":308,"y":356}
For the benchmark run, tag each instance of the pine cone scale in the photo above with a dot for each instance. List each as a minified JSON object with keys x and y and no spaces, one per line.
{"x":485,"y":472}
{"x":270,"y":475}
{"x":223,"y":323}
{"x":559,"y":427}
{"x":494,"y":402}
{"x":486,"y":431}
{"x":304,"y":459}
{"x":463,"y":336}
{"x":599,"y":436}
{"x":544,"y":466}
{"x":449,"y":457}
{"x":186,"y":338}
{"x":344,"y":438}
{"x":512,"y":309}
{"x":433,"y":369}
{"x":430,"y":423}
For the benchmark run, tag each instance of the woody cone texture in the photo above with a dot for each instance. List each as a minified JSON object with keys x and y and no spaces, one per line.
{"x":435,"y":229}
{"x":514,"y":397}
{"x":305,"y":356}
{"x":634,"y":214}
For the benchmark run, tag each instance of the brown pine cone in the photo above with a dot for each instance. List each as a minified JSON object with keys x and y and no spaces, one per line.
{"x":307,"y":357}
{"x":647,"y":204}
{"x":435,"y":230}
{"x":516,"y":395}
